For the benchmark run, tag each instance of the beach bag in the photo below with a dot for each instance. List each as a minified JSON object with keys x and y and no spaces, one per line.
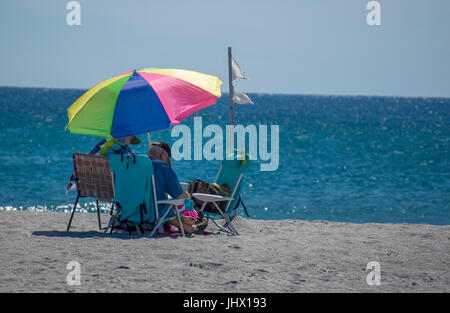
{"x":201,"y":186}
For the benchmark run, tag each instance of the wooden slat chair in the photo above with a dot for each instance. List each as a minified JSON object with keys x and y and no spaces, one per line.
{"x":93,"y":179}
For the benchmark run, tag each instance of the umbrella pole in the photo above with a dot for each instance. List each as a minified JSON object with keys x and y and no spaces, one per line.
{"x":231,"y":93}
{"x":149,"y":140}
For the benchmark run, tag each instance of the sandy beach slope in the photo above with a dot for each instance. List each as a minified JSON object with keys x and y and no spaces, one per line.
{"x":269,"y":256}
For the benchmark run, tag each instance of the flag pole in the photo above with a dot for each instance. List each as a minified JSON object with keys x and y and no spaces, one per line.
{"x":231,"y":92}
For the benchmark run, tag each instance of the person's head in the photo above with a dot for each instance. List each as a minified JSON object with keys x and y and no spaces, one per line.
{"x":131,"y":140}
{"x":161,"y":151}
{"x":164,"y":146}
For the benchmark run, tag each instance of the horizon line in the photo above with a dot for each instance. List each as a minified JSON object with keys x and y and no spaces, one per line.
{"x":255,"y":93}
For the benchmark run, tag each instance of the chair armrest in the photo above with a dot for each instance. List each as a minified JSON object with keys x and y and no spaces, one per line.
{"x":171,"y":202}
{"x":184,"y":186}
{"x":210,"y":198}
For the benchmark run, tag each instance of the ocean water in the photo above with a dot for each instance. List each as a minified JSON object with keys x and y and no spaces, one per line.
{"x":352,"y":159}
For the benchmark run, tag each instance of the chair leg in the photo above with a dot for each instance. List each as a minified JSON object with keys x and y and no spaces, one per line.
{"x":112,"y":220}
{"x":159,"y":222}
{"x":222,"y":228}
{"x":245,"y":208}
{"x":229,"y":223}
{"x":179,"y":220}
{"x":155,"y":228}
{"x":98,"y":216}
{"x":73,"y":211}
{"x":112,"y":225}
{"x":227,"y":219}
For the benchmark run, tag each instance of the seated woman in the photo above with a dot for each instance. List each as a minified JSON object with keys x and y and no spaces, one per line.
{"x":167,"y":183}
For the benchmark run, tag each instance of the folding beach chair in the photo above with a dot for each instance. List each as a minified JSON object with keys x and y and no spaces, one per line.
{"x":231,"y":172}
{"x":93,"y":179}
{"x":135,"y":195}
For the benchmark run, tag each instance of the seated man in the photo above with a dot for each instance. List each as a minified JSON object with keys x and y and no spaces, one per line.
{"x":167,"y":183}
{"x":160,"y":151}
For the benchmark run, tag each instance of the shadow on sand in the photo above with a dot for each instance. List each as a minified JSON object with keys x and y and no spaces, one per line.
{"x":96,"y":234}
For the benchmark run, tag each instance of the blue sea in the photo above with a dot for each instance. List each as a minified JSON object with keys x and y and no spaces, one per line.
{"x":342,"y":158}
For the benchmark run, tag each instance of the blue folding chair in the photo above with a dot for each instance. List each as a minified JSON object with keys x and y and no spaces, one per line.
{"x":231,"y":172}
{"x":135,"y":195}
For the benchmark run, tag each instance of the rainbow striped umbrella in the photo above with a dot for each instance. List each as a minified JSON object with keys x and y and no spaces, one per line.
{"x":141,"y":101}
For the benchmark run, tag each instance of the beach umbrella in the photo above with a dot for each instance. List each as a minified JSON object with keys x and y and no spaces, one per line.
{"x":141,"y":101}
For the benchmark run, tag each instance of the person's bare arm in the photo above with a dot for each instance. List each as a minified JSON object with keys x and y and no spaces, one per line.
{"x":184,"y":195}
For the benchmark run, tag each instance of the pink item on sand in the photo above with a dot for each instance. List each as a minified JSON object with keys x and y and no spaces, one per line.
{"x":191,"y":214}
{"x":168,"y":229}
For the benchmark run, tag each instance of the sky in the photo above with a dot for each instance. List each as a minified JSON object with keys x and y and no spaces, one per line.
{"x":289,"y":47}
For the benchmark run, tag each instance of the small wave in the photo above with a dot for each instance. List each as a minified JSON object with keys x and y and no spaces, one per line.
{"x":87,"y":207}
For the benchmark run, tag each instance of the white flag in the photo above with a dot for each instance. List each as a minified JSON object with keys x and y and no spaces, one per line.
{"x":241,"y":98}
{"x":237,"y":71}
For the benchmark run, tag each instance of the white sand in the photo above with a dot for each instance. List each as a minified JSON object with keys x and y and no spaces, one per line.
{"x":268,"y":256}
